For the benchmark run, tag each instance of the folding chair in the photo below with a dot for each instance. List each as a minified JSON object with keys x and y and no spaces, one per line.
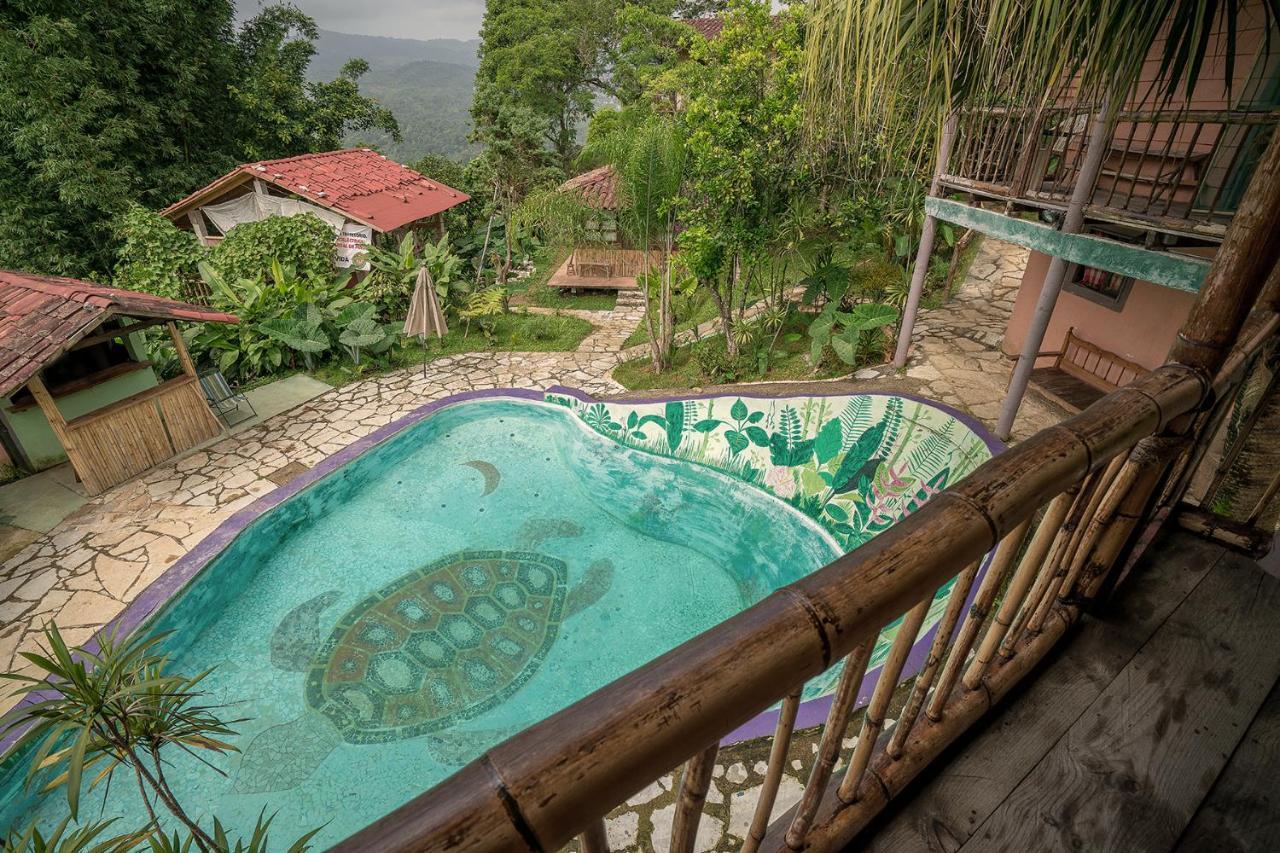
{"x":222,"y":399}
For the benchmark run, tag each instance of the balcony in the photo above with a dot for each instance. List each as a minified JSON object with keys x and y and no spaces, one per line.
{"x":1177,"y":172}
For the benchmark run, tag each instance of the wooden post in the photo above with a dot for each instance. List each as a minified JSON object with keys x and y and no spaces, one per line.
{"x":51,"y":411}
{"x":1072,"y":221}
{"x":196,"y":218}
{"x":927,"y":233}
{"x":693,"y":793}
{"x":188,"y":366}
{"x":594,"y":839}
{"x":773,"y":777}
{"x":59,"y":426}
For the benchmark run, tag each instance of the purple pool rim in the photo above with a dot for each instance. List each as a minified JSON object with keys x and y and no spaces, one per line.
{"x":187,"y":567}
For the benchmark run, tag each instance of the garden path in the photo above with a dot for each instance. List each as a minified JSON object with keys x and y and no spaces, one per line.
{"x":955,"y":352}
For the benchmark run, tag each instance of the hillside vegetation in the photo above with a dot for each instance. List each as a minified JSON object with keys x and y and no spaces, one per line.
{"x":427,"y":84}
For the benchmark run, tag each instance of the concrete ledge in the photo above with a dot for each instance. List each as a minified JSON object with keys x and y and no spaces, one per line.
{"x":1163,"y":268}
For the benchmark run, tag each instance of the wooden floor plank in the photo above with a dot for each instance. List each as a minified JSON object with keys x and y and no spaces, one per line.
{"x":944,"y":812}
{"x":1131,"y":772}
{"x":1242,"y":812}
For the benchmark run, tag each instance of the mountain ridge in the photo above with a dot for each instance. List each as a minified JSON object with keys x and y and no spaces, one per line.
{"x":427,"y":84}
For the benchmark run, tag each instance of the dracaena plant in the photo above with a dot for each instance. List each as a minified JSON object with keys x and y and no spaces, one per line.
{"x":89,"y":714}
{"x":93,"y":714}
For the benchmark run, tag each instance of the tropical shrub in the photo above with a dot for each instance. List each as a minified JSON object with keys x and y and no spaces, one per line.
{"x":303,"y":242}
{"x":849,"y":334}
{"x":113,"y":711}
{"x":394,"y":271}
{"x":482,"y":306}
{"x":156,"y":256}
{"x":285,"y":318}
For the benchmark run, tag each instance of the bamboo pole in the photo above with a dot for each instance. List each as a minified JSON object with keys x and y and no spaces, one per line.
{"x":594,"y":839}
{"x":1046,"y":534}
{"x":1083,"y":537}
{"x":1063,"y":547}
{"x":842,"y":702}
{"x":928,"y":232}
{"x":987,"y":591}
{"x":693,"y":794}
{"x":188,"y":366}
{"x":839,"y":827}
{"x":924,"y":680}
{"x":773,"y":778}
{"x":1105,"y":513}
{"x":873,"y":720}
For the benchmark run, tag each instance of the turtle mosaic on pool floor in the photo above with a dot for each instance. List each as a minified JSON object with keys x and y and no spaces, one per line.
{"x":438,"y":645}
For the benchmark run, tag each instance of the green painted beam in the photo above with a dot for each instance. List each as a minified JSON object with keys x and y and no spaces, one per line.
{"x":1174,"y":271}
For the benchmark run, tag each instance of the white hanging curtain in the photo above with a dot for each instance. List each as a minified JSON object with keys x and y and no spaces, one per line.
{"x":252,"y":207}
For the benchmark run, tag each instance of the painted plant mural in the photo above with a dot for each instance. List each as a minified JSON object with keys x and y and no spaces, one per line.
{"x":856,"y":464}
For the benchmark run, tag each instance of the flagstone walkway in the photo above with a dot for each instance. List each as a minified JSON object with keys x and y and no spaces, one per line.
{"x":955,"y":350}
{"x":83,"y":572}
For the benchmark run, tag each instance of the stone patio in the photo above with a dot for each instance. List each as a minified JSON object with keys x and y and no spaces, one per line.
{"x":955,"y":351}
{"x":85,"y":570}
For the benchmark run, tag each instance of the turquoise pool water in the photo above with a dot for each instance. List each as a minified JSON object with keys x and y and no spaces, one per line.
{"x":475,"y":573}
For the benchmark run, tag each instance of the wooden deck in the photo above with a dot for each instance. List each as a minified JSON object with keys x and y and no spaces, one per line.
{"x":562,"y":278}
{"x":1155,"y":727}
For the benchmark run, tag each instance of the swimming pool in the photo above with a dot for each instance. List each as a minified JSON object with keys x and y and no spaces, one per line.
{"x":465,"y":573}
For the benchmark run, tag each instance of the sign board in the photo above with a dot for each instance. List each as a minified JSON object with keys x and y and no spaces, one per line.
{"x":353,"y":239}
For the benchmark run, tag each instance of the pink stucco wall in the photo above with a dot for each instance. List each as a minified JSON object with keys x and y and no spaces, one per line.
{"x":1141,"y":331}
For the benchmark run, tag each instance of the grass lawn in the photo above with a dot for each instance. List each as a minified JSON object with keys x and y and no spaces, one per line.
{"x":789,"y":361}
{"x":514,"y":332}
{"x":546,"y":261}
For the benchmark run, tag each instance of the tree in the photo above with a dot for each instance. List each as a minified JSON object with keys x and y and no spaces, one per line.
{"x":280,"y":112}
{"x":647,"y":153}
{"x":553,"y":59}
{"x":741,"y":124}
{"x":142,"y":101}
{"x":877,"y":64}
{"x":102,"y":104}
{"x":700,"y":8}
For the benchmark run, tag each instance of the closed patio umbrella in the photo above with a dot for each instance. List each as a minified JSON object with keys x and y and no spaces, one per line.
{"x":425,"y":317}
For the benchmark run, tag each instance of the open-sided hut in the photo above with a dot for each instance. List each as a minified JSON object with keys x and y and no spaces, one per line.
{"x":603,"y":258}
{"x":356,"y":190}
{"x":75,"y":381}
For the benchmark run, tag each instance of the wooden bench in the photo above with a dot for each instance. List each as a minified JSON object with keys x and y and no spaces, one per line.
{"x":1082,"y":373}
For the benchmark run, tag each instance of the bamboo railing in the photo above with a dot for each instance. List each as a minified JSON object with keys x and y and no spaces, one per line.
{"x":1059,"y":511}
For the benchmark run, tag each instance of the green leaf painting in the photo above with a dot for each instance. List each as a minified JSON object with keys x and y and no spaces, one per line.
{"x":856,"y":465}
{"x":829,"y":441}
{"x":787,"y":445}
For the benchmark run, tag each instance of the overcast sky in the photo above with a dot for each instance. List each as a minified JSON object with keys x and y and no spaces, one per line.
{"x":417,"y":19}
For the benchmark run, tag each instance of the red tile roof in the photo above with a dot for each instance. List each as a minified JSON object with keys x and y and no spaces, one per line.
{"x":598,"y":188}
{"x":359,"y":183}
{"x":42,"y":316}
{"x":708,"y":27}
